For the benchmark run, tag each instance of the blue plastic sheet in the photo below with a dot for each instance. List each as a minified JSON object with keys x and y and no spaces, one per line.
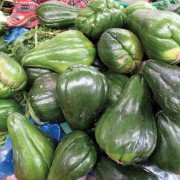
{"x":53,"y":130}
{"x":14,"y":33}
{"x":6,"y":159}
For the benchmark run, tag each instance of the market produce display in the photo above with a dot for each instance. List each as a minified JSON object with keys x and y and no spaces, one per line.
{"x":90,"y":91}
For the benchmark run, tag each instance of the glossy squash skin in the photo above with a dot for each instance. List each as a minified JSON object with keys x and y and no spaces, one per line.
{"x":117,"y":83}
{"x":62,"y":51}
{"x":55,"y":14}
{"x":159,"y":33}
{"x":13,"y":77}
{"x":75,"y":156}
{"x":166,"y":155}
{"x":33,"y":74}
{"x":33,"y":151}
{"x":43,"y":98}
{"x":120,"y":50}
{"x":106,"y":169}
{"x":98,"y":16}
{"x":127,"y":131}
{"x":82,"y":93}
{"x":164,"y":81}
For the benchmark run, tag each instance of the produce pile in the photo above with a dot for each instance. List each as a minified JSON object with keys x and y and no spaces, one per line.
{"x":111,"y":73}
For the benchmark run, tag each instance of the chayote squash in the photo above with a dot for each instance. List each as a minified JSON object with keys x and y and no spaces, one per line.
{"x":13,"y":78}
{"x":62,"y":51}
{"x":33,"y":151}
{"x":7,"y":106}
{"x":43,"y":98}
{"x":82,"y":93}
{"x":98,"y":16}
{"x":75,"y":156}
{"x":127,"y":130}
{"x":164,"y":81}
{"x":120,"y":50}
{"x":138,"y":5}
{"x":55,"y":14}
{"x":106,"y":169}
{"x":117,"y":83}
{"x":166,"y":154}
{"x":34,"y":73}
{"x":159,"y":33}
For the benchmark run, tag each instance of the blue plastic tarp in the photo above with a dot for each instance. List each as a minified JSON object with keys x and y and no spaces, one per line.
{"x":14,"y":33}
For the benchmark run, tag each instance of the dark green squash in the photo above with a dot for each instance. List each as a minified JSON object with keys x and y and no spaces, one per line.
{"x":43,"y":98}
{"x":166,"y":154}
{"x":13,"y":78}
{"x":159,"y":33}
{"x":106,"y":169}
{"x":62,"y":51}
{"x":116,"y":86}
{"x":75,"y":156}
{"x":164,"y":81}
{"x":55,"y":14}
{"x":127,"y":130}
{"x":33,"y":151}
{"x":98,"y":16}
{"x":82,"y":94}
{"x":7,"y":106}
{"x":33,"y":74}
{"x":120,"y":50}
